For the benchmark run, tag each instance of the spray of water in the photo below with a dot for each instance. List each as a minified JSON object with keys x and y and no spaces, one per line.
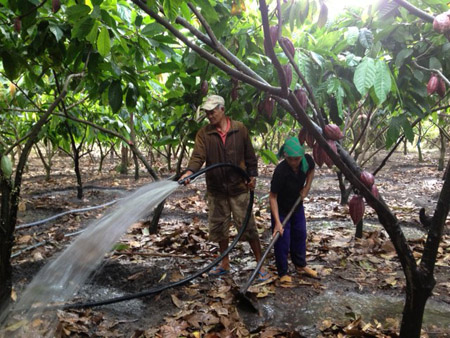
{"x":60,"y":279}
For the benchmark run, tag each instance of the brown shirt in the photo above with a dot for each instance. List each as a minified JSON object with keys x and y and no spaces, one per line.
{"x":237,"y":150}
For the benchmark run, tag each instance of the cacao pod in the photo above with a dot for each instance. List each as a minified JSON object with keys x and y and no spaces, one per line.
{"x":310,"y":140}
{"x":234,"y":94}
{"x":374,"y":191}
{"x":242,"y":6}
{"x":268,"y":106}
{"x":441,"y":87}
{"x":441,"y":22}
{"x":432,"y":84}
{"x":367,"y":179}
{"x":288,"y":72}
{"x":273,"y":35}
{"x":289,"y":46}
{"x":327,"y":159}
{"x":356,"y":208}
{"x":301,"y":97}
{"x":204,"y":88}
{"x":6,"y":166}
{"x":319,"y":155}
{"x":302,"y":135}
{"x":235,"y":9}
{"x":17,"y":24}
{"x":333,"y":132}
{"x":56,"y":5}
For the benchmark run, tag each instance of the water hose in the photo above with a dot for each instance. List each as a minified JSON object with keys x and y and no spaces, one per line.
{"x":191,"y":277}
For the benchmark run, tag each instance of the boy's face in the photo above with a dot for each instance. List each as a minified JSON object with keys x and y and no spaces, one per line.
{"x":294,"y":162}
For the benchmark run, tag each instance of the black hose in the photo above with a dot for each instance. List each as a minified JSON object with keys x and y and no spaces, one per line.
{"x":191,"y":277}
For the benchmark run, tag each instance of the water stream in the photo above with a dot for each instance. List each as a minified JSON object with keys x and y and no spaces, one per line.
{"x":60,"y":279}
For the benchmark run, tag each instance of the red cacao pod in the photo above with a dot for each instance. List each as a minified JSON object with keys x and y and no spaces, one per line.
{"x":356,"y":208}
{"x":432,"y":84}
{"x":327,"y":159}
{"x":367,"y":178}
{"x":441,"y":87}
{"x":302,"y":135}
{"x":441,"y":22}
{"x":268,"y":106}
{"x":288,"y":73}
{"x":204,"y":88}
{"x":319,"y":155}
{"x":310,"y":140}
{"x":374,"y":191}
{"x":234,"y":94}
{"x":333,"y":132}
{"x":289,"y":46}
{"x":273,"y":35}
{"x":302,"y":97}
{"x":17,"y":24}
{"x":56,"y":5}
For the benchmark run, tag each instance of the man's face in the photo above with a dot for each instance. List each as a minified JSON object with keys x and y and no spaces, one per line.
{"x":215,"y":115}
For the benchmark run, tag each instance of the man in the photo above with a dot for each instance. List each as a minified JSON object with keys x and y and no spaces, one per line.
{"x":226,"y":141}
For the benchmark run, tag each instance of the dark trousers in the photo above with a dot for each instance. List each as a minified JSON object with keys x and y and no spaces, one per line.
{"x":293,"y":240}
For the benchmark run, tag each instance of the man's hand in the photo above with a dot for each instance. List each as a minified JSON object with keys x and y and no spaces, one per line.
{"x":186,"y":174}
{"x":252,"y":183}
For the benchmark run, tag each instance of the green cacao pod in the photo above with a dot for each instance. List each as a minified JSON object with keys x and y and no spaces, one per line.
{"x":6,"y":166}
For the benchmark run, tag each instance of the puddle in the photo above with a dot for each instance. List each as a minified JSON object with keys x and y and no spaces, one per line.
{"x":341,"y":308}
{"x":329,"y":227}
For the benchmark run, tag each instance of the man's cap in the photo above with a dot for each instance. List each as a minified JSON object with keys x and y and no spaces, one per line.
{"x":212,"y":102}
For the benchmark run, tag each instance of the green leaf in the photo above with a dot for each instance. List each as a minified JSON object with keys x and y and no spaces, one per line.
{"x":435,"y":63}
{"x":82,"y":28}
{"x":366,"y":38}
{"x":171,"y":8}
{"x":57,"y":32}
{"x":120,"y":247}
{"x":115,"y":96}
{"x":404,"y":54}
{"x":75,"y":13}
{"x":352,"y":35}
{"x":11,"y":65}
{"x":268,"y":156}
{"x":409,"y":133}
{"x":364,"y":75}
{"x":382,"y":85}
{"x":103,"y":42}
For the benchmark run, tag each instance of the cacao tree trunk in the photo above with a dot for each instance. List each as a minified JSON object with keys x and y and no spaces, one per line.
{"x":6,"y":241}
{"x":76,"y":161}
{"x":359,"y":229}
{"x":124,"y":161}
{"x":442,"y":151}
{"x":419,"y":147}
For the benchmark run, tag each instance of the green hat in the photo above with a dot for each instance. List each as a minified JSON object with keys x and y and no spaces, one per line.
{"x":293,"y":148}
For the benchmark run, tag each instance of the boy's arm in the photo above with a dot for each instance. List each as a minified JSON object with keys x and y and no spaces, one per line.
{"x":309,"y":178}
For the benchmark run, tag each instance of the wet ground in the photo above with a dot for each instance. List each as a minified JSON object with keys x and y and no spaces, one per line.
{"x":350,"y":286}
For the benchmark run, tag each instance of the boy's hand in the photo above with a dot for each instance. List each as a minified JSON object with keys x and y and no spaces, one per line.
{"x":278,"y":228}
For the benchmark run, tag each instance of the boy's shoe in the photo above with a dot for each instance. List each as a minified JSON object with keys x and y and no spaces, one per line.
{"x":307,"y":271}
{"x":286,"y":279}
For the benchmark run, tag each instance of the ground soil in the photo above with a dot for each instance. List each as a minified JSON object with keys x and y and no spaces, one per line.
{"x":349,"y":268}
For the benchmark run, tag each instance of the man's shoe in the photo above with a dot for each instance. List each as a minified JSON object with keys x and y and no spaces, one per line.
{"x":307,"y":271}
